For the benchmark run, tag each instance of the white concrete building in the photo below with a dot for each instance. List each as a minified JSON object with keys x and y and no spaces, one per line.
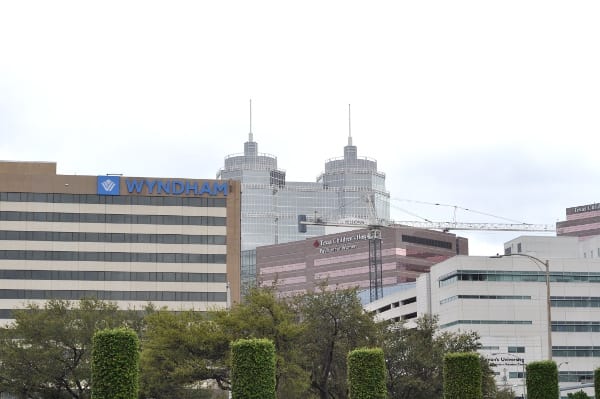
{"x":504,"y":300}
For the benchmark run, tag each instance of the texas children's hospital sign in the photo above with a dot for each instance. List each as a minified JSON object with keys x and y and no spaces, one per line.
{"x":111,"y":185}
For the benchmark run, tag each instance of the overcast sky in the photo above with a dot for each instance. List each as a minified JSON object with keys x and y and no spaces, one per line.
{"x":487,"y":105}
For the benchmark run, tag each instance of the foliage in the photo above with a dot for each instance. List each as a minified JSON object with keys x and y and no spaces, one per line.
{"x":597,"y":383}
{"x":462,"y":376}
{"x":115,"y":364}
{"x":263,"y":315}
{"x":366,"y":374}
{"x":179,"y":352}
{"x":414,"y":357}
{"x":253,"y":369}
{"x":578,"y":395}
{"x":46,"y":351}
{"x":335,"y":324}
{"x":505,"y":393}
{"x":542,"y":380}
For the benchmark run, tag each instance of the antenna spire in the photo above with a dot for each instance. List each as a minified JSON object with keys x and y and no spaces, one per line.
{"x":250,"y":134}
{"x":349,"y":127}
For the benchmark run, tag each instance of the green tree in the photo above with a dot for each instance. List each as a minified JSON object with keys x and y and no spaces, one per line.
{"x":253,"y":369}
{"x":46,"y":351}
{"x":542,"y":380}
{"x":263,"y":315}
{"x":578,"y":395}
{"x":115,"y":364}
{"x":335,"y":324}
{"x":366,"y":374}
{"x":414,"y":357}
{"x":462,"y":376}
{"x":179,"y":352}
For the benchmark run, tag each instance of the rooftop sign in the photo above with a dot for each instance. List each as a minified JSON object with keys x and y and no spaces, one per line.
{"x":110,"y":185}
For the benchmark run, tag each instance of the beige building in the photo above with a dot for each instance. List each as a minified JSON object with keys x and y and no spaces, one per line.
{"x":132,"y":240}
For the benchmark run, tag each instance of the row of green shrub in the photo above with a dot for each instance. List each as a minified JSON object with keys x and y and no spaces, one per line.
{"x":115,"y":371}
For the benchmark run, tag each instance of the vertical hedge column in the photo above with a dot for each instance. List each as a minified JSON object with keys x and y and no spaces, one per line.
{"x":597,"y":383}
{"x":542,"y":380}
{"x":462,"y":376}
{"x":253,"y":369}
{"x":115,"y":364}
{"x":366,"y":374}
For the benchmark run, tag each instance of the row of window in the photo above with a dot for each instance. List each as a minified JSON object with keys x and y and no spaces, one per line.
{"x":456,"y":322}
{"x":519,"y":276}
{"x":114,"y":199}
{"x":576,"y":376}
{"x":112,"y":256}
{"x":147,"y":296}
{"x":575,"y":302}
{"x":112,"y":237}
{"x":576,"y":326}
{"x":175,"y":220}
{"x":426,"y":241}
{"x":112,"y":276}
{"x":456,"y":297}
{"x":576,"y":351}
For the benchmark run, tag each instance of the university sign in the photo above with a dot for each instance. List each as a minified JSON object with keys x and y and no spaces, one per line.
{"x":110,"y":185}
{"x":337,"y":244}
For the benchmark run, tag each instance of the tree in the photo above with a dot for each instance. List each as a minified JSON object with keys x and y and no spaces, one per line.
{"x":414,"y":358}
{"x":542,"y":380}
{"x":179,"y":352}
{"x":115,"y":364}
{"x":578,"y":395}
{"x":366,"y":374}
{"x":253,"y":369}
{"x":462,"y":376}
{"x":263,"y":315}
{"x":335,"y":323}
{"x":46,"y":351}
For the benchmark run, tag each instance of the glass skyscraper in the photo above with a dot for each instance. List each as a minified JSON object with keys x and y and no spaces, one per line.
{"x":350,"y":188}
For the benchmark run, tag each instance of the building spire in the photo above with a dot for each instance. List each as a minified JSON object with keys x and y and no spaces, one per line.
{"x":250,"y":136}
{"x":349,"y":127}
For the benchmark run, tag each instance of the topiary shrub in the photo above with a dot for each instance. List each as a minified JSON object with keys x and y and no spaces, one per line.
{"x":542,"y":380}
{"x":462,"y":376}
{"x":597,"y":383}
{"x":253,"y":369}
{"x":115,"y":364}
{"x":366,"y":374}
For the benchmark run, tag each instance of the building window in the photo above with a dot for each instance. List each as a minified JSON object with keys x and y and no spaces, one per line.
{"x":519,"y":247}
{"x":516,"y":349}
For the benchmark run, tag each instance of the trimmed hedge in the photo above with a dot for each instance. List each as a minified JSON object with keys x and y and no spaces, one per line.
{"x":366,"y":374}
{"x":462,"y":376}
{"x":253,"y":369}
{"x":597,"y":383}
{"x":115,"y":364}
{"x":542,"y":380}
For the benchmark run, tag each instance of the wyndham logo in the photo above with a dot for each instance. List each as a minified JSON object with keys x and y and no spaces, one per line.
{"x":109,"y":185}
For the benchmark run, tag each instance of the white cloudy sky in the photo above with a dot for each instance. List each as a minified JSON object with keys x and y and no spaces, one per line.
{"x":487,"y":105}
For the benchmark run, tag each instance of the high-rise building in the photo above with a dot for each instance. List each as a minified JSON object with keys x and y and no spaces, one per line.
{"x":131,"y":240}
{"x":351,"y":187}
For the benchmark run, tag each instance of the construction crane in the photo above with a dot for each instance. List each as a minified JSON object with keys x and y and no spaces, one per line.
{"x":374,"y":235}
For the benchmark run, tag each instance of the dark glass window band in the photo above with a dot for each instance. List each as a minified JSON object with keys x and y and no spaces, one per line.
{"x":146,"y":296}
{"x":112,"y":218}
{"x":8,"y":274}
{"x":112,"y":256}
{"x":114,"y":199}
{"x":112,"y":237}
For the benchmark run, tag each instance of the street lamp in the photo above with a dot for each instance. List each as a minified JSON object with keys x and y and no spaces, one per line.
{"x":546,"y":265}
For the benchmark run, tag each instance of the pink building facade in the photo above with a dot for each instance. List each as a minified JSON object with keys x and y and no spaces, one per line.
{"x":342,"y":260}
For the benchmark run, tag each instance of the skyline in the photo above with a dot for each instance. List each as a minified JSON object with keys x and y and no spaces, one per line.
{"x":491,"y":107}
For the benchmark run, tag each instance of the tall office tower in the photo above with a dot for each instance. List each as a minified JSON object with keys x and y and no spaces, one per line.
{"x":132,"y":240}
{"x":271,"y":205}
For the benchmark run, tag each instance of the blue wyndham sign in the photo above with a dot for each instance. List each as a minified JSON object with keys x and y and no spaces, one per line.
{"x":109,"y":185}
{"x":176,"y":187}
